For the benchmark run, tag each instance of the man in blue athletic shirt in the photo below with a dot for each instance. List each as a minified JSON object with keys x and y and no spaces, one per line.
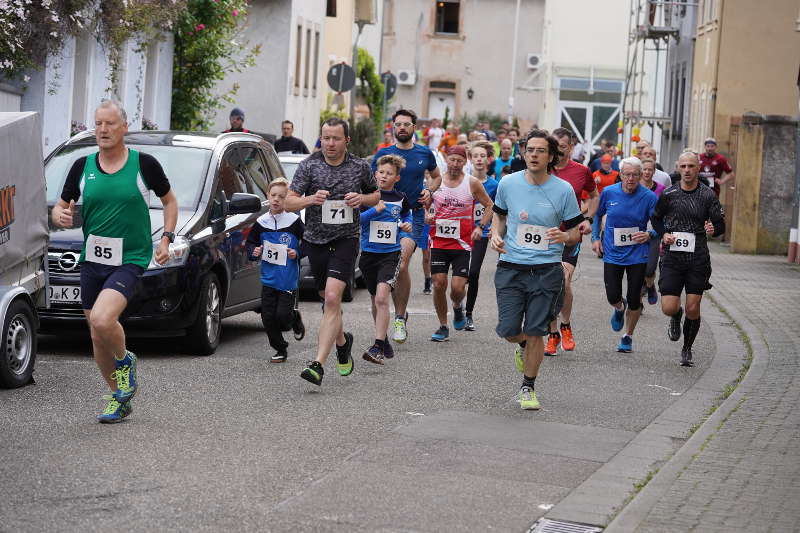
{"x":418,"y":159}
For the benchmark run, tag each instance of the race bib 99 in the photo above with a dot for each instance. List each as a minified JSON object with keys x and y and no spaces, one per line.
{"x":336,"y":212}
{"x":104,"y":250}
{"x":529,"y":236}
{"x":684,"y":242}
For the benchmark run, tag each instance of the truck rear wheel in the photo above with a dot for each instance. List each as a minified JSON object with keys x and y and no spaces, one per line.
{"x":18,"y":350}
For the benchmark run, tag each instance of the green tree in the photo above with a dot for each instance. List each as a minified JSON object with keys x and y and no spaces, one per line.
{"x":206,"y":50}
{"x":371,"y":89}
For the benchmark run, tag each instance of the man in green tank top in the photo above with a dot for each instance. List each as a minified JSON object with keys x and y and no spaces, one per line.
{"x":115,"y":185}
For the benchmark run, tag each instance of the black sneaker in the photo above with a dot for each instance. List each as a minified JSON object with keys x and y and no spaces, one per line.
{"x":313,"y":373}
{"x":470,"y":325}
{"x":427,"y":288}
{"x":374,"y":354}
{"x":388,"y":351}
{"x":674,"y":329}
{"x":298,"y":327}
{"x":686,"y":357}
{"x":344,"y":358}
{"x":279,"y":357}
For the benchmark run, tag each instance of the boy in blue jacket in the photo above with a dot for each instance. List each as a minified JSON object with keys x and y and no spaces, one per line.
{"x":381,"y":229}
{"x":275,"y":240}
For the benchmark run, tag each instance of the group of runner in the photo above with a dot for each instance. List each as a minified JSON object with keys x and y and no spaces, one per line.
{"x":533,"y":218}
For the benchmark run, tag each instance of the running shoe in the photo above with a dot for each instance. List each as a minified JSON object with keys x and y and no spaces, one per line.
{"x":440,"y":335}
{"x":625,"y":344}
{"x":125,"y":376}
{"x":344,"y":358}
{"x":674,"y":328}
{"x":427,"y":288}
{"x":470,"y":325}
{"x":652,"y":295}
{"x":115,"y":411}
{"x":388,"y":351}
{"x":400,"y":331}
{"x":374,"y":354}
{"x":567,"y":340}
{"x":459,"y":320}
{"x":279,"y":357}
{"x":553,"y":340}
{"x":618,"y":317}
{"x":518,"y":358}
{"x":313,"y":373}
{"x":298,"y":327}
{"x":527,"y":398}
{"x":686,"y":357}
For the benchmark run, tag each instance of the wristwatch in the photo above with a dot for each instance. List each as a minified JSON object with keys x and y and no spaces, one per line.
{"x":482,"y":226}
{"x":590,"y":219}
{"x":169,"y":235}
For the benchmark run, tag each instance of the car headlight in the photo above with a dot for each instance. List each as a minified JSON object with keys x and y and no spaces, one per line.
{"x":178,"y":254}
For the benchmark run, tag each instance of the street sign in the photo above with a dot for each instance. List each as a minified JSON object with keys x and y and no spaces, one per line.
{"x":389,"y":81}
{"x":341,"y":77}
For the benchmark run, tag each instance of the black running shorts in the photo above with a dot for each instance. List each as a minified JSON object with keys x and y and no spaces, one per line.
{"x":379,"y":268}
{"x":676,"y":276}
{"x":442,"y":260}
{"x":335,"y":259}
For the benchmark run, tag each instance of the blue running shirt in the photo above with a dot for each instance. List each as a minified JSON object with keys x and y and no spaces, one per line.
{"x":623,"y":210}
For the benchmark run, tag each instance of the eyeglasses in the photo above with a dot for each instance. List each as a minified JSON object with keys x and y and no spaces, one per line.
{"x":631,"y":175}
{"x":536,"y":150}
{"x":403,"y":124}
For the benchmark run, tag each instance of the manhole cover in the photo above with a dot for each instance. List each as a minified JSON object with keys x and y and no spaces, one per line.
{"x":545,"y":525}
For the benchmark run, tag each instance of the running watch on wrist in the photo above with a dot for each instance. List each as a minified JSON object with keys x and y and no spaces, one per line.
{"x":169,"y":235}
{"x":590,"y":219}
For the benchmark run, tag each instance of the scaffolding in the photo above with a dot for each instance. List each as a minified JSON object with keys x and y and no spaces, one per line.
{"x":652,"y":24}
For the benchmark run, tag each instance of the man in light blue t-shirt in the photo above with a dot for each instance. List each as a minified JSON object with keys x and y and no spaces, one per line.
{"x":529,"y":208}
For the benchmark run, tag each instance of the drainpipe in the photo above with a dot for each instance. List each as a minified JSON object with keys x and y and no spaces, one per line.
{"x":794,"y":233}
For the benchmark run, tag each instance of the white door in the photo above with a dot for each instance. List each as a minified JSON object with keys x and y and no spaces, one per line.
{"x":438,"y":102}
{"x":590,"y":121}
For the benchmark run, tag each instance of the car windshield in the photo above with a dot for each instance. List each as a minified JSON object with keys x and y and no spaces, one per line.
{"x":185,"y":168}
{"x":289,"y":168}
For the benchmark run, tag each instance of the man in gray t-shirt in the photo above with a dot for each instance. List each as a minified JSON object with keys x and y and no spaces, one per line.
{"x":331,"y":185}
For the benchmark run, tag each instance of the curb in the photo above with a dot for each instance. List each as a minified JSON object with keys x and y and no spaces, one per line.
{"x":607,"y":490}
{"x":629,"y":519}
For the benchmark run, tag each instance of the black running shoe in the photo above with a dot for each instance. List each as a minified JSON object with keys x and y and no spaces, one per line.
{"x":686,"y":357}
{"x":279,"y":357}
{"x":374,"y":354}
{"x":344,"y":358}
{"x":470,"y":325}
{"x":388,"y":351}
{"x":674,"y":329}
{"x":313,"y":373}
{"x":298,"y":327}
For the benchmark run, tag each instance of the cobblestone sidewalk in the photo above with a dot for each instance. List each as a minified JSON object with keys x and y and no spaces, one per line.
{"x":746,"y":476}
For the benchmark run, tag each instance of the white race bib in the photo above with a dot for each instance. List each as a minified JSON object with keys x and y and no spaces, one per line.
{"x":624,"y":236}
{"x":383,"y":232}
{"x":529,"y":236}
{"x":684,"y":242}
{"x":275,"y":253}
{"x":336,"y":212}
{"x":448,"y":229}
{"x":479,"y":212}
{"x":104,"y":250}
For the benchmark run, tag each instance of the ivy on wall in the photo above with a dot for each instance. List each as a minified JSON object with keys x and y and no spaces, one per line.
{"x":206,"y":50}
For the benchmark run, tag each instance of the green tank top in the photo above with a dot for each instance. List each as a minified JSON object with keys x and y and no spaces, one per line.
{"x":116,"y":206}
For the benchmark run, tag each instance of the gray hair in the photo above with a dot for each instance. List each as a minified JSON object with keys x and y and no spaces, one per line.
{"x":632,"y":161}
{"x":110,"y":102}
{"x":690,"y":153}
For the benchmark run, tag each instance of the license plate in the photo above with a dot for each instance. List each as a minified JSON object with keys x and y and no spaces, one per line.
{"x":65,"y":294}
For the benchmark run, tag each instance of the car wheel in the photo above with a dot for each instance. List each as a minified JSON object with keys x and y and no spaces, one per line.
{"x":18,"y":351}
{"x":203,"y":337}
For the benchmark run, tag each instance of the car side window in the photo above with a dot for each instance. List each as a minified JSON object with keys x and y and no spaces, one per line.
{"x":254,"y":169}
{"x":231,"y":177}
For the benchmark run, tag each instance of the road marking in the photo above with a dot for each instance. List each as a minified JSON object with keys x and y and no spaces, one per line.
{"x":671,"y":392}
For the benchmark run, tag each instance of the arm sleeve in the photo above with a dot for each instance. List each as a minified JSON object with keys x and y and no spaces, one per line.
{"x":368,"y":215}
{"x":368,"y":183}
{"x":572,"y":222}
{"x":72,"y":185}
{"x":431,"y":162}
{"x":717,"y":216}
{"x":153,"y":174}
{"x":253,"y":240}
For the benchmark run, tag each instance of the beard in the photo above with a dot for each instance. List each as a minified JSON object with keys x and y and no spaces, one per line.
{"x":404,"y":137}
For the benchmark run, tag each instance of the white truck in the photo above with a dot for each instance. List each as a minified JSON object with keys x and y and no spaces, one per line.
{"x":23,"y":245}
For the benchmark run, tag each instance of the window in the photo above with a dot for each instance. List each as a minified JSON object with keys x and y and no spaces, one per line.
{"x":447,"y":15}
{"x":297,"y":56}
{"x":255,"y":170}
{"x":80,"y":91}
{"x":443,"y":85}
{"x":308,"y":60}
{"x":316,"y":62}
{"x":330,"y":10}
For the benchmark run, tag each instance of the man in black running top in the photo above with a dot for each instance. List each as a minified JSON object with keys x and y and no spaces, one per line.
{"x":684,"y":215}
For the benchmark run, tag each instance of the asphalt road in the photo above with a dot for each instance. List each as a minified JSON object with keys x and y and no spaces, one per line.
{"x":432,"y":441}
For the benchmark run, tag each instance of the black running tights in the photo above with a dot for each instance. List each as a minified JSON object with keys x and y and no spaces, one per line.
{"x":475,"y":263}
{"x":612,"y":276}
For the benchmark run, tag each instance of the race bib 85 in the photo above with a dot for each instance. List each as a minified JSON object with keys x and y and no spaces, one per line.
{"x":104,"y":250}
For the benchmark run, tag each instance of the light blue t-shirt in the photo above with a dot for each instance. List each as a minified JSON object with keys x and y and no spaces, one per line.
{"x":546,"y":205}
{"x":624,"y":210}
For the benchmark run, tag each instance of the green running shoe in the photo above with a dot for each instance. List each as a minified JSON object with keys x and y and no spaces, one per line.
{"x":344,"y":363}
{"x":313,"y":373}
{"x":519,"y":362}
{"x":114,"y":411}
{"x":126,"y":377}
{"x":527,"y":399}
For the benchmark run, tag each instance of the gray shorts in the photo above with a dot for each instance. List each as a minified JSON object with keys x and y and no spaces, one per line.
{"x":534,"y":296}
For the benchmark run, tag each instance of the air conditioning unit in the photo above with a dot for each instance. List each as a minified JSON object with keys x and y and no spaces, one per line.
{"x":406,"y":77}
{"x":534,"y":61}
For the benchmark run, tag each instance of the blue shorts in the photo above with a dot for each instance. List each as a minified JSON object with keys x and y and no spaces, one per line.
{"x":96,"y":277}
{"x":419,"y":230}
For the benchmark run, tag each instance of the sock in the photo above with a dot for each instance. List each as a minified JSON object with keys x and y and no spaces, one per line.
{"x":523,"y":343}
{"x":528,"y":381}
{"x":379,"y":343}
{"x":556,"y":333}
{"x":690,"y":329}
{"x":564,"y":325}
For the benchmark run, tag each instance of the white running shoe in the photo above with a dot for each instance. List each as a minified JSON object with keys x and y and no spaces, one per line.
{"x":400,"y":332}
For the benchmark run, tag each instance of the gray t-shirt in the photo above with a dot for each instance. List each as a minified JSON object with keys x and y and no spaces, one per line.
{"x":314,"y":174}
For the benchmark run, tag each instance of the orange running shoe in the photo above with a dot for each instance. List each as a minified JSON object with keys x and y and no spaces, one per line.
{"x":567,"y":341}
{"x":552,"y":344}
